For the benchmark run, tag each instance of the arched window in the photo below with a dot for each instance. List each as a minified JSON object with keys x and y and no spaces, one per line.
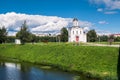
{"x":76,"y":32}
{"x":73,"y":32}
{"x":80,"y":32}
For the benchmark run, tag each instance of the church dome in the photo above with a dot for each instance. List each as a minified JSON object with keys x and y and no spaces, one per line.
{"x":75,"y":22}
{"x":75,"y":19}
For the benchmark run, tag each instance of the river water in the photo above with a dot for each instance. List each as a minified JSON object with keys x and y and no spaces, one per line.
{"x":25,"y":71}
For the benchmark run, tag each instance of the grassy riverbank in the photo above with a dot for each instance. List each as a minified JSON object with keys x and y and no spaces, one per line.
{"x":93,"y":60}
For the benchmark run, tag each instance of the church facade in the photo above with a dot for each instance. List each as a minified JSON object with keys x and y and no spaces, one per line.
{"x":76,"y":33}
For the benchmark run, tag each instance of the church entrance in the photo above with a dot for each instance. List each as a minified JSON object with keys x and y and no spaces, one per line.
{"x":77,"y":38}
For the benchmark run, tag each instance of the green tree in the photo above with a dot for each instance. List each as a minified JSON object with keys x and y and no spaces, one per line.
{"x":91,"y":36}
{"x":117,"y":39}
{"x":102,"y":38}
{"x":111,"y":39}
{"x":3,"y":35}
{"x":24,"y":34}
{"x":32,"y":38}
{"x":64,"y":35}
{"x":10,"y":39}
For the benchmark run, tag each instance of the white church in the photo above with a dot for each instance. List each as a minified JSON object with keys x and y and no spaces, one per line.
{"x":76,"y":33}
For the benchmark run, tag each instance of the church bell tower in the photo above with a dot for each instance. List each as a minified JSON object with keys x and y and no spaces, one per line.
{"x":75,"y":22}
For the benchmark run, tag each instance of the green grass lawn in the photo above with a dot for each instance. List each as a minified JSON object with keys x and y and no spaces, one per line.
{"x":96,"y":60}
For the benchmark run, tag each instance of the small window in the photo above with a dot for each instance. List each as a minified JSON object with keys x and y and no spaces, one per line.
{"x":73,"y":32}
{"x":84,"y":32}
{"x":80,"y":32}
{"x":76,"y":32}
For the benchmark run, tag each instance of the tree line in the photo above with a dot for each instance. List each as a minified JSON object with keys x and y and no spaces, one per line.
{"x":3,"y":34}
{"x":92,"y":37}
{"x":26,"y":36}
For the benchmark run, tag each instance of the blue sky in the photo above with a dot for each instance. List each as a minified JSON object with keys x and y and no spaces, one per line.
{"x":103,"y":14}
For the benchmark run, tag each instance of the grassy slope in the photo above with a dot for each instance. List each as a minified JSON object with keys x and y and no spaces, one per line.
{"x":99,"y":61}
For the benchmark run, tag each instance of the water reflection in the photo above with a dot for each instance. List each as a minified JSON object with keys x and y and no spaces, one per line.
{"x":10,"y":71}
{"x":13,"y":65}
{"x":25,"y":71}
{"x":17,"y":71}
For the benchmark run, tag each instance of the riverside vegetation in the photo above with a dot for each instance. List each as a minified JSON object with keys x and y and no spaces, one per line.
{"x":95,"y":61}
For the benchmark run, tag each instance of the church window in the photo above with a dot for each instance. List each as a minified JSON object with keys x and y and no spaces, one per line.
{"x":84,"y":32}
{"x":76,"y":32}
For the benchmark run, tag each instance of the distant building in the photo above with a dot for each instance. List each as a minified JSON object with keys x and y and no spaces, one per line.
{"x":17,"y":41}
{"x":41,"y":34}
{"x":76,"y":33}
{"x":116,"y":35}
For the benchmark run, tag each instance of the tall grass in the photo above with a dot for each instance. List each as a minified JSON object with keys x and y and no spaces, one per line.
{"x":93,"y":60}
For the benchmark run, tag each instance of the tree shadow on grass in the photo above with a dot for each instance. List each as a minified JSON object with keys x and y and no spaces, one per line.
{"x":118,"y":65}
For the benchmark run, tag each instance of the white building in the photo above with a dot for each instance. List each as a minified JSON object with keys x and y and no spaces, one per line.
{"x":17,"y":41}
{"x":76,"y":33}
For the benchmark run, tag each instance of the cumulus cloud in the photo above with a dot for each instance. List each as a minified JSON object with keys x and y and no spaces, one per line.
{"x":103,"y":32}
{"x":99,"y":9}
{"x":37,"y":23}
{"x":103,"y":22}
{"x":109,"y":5}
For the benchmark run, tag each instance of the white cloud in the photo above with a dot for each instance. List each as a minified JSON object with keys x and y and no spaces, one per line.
{"x":107,"y":11}
{"x":103,"y":22}
{"x":109,"y":5}
{"x":99,"y":9}
{"x":10,"y":33}
{"x":37,"y":23}
{"x":103,"y":32}
{"x":110,"y":12}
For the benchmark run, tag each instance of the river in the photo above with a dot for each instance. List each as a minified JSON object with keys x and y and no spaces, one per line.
{"x":28,"y":71}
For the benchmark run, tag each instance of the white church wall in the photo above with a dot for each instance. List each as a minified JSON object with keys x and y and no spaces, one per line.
{"x":75,"y":32}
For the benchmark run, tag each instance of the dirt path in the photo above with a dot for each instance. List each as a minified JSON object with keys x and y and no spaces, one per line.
{"x":94,"y":44}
